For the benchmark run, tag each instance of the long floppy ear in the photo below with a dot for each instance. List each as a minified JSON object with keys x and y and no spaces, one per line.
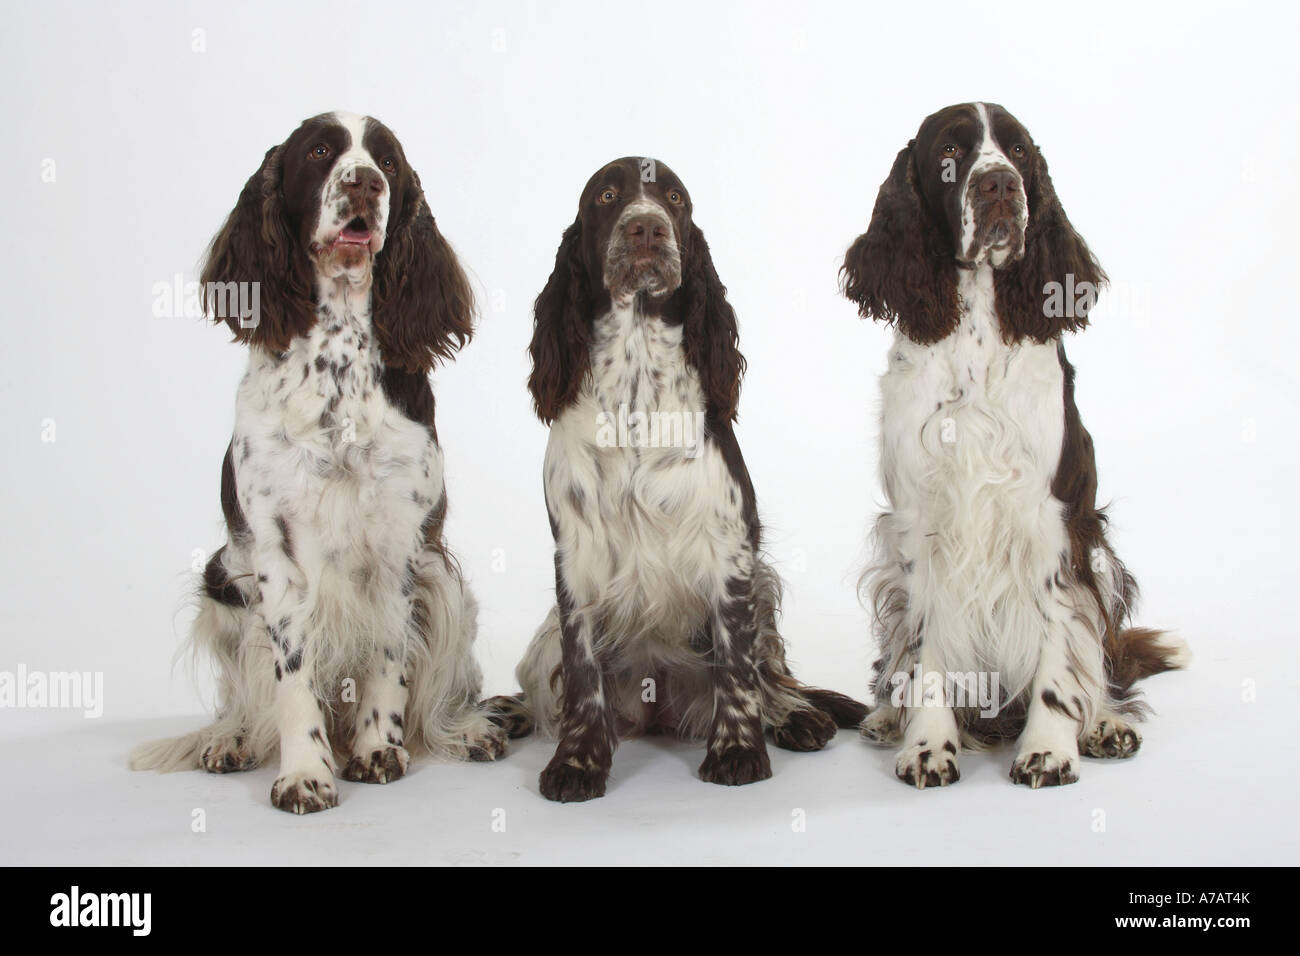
{"x":561,"y":331}
{"x":256,"y":277}
{"x":423,"y":304}
{"x":901,"y":270}
{"x":1054,"y":285}
{"x":709,"y":330}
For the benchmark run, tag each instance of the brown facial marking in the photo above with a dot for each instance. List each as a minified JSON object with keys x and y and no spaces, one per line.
{"x":633,"y":215}
{"x":607,"y":250}
{"x":902,"y":270}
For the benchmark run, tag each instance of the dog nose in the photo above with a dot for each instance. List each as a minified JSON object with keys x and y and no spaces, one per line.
{"x":361,"y":180}
{"x":998,"y":184}
{"x":644,"y":233}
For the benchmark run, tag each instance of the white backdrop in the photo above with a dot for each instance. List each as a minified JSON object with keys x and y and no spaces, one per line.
{"x":1171,"y":132}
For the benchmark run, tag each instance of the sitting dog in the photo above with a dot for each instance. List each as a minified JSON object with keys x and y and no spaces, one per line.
{"x":337,"y":619}
{"x":992,"y":560}
{"x":665,"y":617}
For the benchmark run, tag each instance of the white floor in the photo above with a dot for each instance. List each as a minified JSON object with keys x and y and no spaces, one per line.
{"x":1214,"y":784}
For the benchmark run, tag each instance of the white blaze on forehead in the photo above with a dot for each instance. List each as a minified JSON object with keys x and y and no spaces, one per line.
{"x":990,"y":152}
{"x":353,"y":158}
{"x":356,"y":153}
{"x":988,"y":155}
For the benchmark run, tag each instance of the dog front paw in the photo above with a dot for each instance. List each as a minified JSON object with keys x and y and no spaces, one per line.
{"x":564,"y":783}
{"x":925,"y":765}
{"x":1043,"y":768}
{"x":736,"y":766}
{"x":383,"y":765}
{"x":304,"y":793}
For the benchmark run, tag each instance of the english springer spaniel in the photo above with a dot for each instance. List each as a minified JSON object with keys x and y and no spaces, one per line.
{"x":338,"y":621}
{"x":992,"y":563}
{"x":666,"y":611}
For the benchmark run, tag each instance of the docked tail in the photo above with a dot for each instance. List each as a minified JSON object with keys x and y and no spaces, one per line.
{"x":1140,"y":652}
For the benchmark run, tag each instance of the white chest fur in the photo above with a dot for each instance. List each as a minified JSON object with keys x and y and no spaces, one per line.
{"x":638,"y":361}
{"x":971,"y":438}
{"x":317,"y":443}
{"x":649,"y":522}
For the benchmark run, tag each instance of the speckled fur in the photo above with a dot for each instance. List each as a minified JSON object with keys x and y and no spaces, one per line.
{"x":666,"y":612}
{"x":340,"y":626}
{"x":648,"y":538}
{"x":991,"y":559}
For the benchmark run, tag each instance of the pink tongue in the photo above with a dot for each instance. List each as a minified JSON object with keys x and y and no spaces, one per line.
{"x":355,"y":235}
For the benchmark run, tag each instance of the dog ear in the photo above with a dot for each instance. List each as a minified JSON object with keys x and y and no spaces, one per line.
{"x":423,"y":304}
{"x":256,"y":277}
{"x":560,"y":348}
{"x":901,"y":269}
{"x":709,"y":330}
{"x":1054,"y":285}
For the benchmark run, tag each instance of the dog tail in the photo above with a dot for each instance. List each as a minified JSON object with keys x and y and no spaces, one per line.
{"x":168,"y":755}
{"x":844,"y":710}
{"x":512,"y":714}
{"x":1140,"y":652}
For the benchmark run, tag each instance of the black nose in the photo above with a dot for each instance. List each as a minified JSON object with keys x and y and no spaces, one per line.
{"x":362,"y":180}
{"x":644,"y":233}
{"x":998,"y":184}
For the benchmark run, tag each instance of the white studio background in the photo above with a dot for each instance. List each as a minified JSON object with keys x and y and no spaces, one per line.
{"x":1171,"y":132}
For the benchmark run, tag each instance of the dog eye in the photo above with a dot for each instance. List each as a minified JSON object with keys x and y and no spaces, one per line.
{"x":675,"y":197}
{"x":389,"y":164}
{"x":950,"y":150}
{"x":1018,"y":150}
{"x":319,"y":151}
{"x":607,"y":195}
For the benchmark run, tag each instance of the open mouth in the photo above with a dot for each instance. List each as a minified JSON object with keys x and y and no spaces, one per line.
{"x":355,"y":233}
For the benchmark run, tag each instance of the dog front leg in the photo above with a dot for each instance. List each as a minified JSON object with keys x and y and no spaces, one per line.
{"x":581,"y":764}
{"x":929,"y":755}
{"x":737,"y":751}
{"x":306,"y":781}
{"x":1061,"y":704}
{"x":378,"y":754}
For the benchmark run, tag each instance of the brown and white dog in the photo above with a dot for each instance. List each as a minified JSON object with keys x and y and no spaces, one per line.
{"x":992,"y":562}
{"x":337,"y":619}
{"x":665,"y":618}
